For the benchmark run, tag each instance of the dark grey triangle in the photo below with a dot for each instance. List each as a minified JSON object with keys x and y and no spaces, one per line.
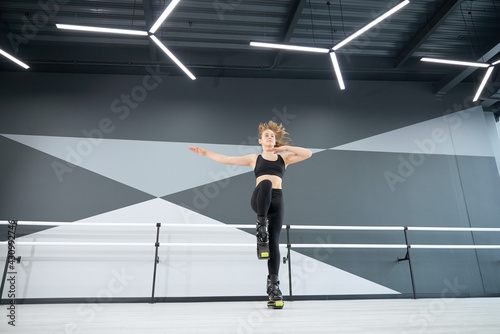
{"x":32,"y":191}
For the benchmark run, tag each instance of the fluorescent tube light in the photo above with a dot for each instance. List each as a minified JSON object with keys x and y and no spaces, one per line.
{"x":15,"y":60}
{"x":495,"y":63}
{"x":171,"y":55}
{"x":102,"y":30}
{"x":454,"y":62}
{"x":371,"y":25}
{"x":163,"y":16}
{"x":289,"y":47}
{"x":336,"y":67}
{"x":483,"y":83}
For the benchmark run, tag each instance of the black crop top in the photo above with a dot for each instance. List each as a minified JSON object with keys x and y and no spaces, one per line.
{"x":267,"y":167}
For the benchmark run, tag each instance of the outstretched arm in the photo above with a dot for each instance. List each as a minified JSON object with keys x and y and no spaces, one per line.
{"x":297,"y":153}
{"x":245,"y":160}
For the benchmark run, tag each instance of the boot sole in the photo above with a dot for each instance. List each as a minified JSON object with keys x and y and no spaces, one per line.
{"x":275,"y":304}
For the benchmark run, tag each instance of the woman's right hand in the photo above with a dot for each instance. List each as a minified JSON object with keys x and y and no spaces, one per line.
{"x":198,"y":150}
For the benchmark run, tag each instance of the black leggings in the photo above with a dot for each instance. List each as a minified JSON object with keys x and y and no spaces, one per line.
{"x":268,"y":202}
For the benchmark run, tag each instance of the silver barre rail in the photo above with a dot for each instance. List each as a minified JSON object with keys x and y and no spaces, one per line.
{"x":195,"y":244}
{"x":297,"y":227}
{"x":250,"y":226}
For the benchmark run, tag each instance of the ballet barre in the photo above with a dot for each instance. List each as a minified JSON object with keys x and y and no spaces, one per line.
{"x":454,"y":246}
{"x":454,"y":229}
{"x":406,"y":229}
{"x":97,"y":224}
{"x":296,"y":227}
{"x":347,"y":228}
{"x":196,"y":244}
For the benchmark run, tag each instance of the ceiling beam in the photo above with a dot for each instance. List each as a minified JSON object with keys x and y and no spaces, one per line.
{"x":293,"y":17}
{"x":453,"y":79}
{"x":487,"y":103}
{"x":4,"y":40}
{"x":148,"y":17}
{"x":426,"y":30}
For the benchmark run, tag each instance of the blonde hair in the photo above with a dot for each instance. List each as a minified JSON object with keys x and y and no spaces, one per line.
{"x":279,"y":132}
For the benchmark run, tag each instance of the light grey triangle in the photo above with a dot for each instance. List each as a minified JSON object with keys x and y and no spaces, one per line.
{"x":157,"y":168}
{"x":460,"y":133}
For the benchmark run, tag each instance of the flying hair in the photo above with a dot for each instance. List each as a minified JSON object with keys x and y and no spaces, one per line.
{"x":279,"y":132}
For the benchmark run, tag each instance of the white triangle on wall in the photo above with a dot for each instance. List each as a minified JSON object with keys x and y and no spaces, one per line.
{"x":188,"y":271}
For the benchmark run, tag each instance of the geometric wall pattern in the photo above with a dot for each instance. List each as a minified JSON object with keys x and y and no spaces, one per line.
{"x":148,"y":166}
{"x":455,"y":134}
{"x":206,"y":272}
{"x":436,"y":171}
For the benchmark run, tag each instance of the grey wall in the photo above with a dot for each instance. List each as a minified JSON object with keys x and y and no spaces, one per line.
{"x":386,"y":154}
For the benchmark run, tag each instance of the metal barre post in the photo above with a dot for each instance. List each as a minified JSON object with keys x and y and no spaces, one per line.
{"x":157,"y":244}
{"x":407,"y":258}
{"x":288,"y":256}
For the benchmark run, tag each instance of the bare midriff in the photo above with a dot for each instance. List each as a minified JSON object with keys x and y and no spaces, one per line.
{"x":275,"y":180}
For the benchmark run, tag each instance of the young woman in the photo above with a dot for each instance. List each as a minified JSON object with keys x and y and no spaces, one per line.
{"x":267,"y":198}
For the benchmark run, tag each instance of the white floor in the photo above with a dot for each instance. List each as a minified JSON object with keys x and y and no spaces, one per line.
{"x":450,"y":316}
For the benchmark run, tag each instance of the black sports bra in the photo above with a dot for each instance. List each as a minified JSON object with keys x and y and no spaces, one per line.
{"x":267,"y":167}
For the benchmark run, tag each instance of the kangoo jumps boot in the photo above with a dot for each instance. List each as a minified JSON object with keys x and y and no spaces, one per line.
{"x":274,"y":293}
{"x":262,"y":238}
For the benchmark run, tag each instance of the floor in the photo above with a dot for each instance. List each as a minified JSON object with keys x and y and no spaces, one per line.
{"x":450,"y":316}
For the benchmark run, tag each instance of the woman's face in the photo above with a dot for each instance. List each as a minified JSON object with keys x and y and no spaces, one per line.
{"x":268,"y":138}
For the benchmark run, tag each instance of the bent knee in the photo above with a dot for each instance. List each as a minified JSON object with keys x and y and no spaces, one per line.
{"x":266,"y":184}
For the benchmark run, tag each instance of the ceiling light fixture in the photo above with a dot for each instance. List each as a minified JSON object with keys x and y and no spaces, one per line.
{"x":483,"y":83}
{"x":100,"y":29}
{"x":14,"y":59}
{"x":454,"y":62}
{"x":289,"y":47}
{"x":491,"y":67}
{"x":333,"y":57}
{"x":163,"y":16}
{"x":336,"y":68}
{"x":153,"y":29}
{"x":371,"y":24}
{"x":171,"y":55}
{"x":469,"y":64}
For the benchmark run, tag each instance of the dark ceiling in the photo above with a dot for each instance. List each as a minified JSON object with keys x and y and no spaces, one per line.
{"x":211,"y":37}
